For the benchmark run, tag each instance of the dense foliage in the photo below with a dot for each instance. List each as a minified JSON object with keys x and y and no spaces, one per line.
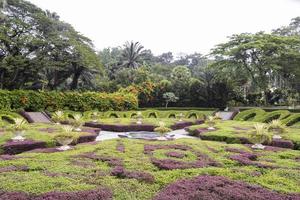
{"x":39,"y":51}
{"x":39,"y":101}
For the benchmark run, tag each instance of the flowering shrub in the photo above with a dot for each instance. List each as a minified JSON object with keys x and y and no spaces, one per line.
{"x":218,"y":188}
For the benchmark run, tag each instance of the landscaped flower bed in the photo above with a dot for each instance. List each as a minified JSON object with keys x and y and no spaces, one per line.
{"x":127,"y":169}
{"x":240,"y":132}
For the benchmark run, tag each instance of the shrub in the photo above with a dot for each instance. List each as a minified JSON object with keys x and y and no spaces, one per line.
{"x":249,"y":115}
{"x":75,"y":101}
{"x":269,"y":116}
{"x":292,"y":119}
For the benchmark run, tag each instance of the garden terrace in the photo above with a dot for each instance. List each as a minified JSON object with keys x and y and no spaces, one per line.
{"x":40,"y":135}
{"x":107,"y":170}
{"x":239,"y":132}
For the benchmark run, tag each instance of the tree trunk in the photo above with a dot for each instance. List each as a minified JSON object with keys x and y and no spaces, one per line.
{"x":74,"y":84}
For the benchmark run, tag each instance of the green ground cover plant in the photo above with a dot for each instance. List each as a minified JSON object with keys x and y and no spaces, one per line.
{"x":87,"y":167}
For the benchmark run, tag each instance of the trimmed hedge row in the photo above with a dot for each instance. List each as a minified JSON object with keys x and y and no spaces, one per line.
{"x":249,"y":115}
{"x":292,"y":119}
{"x":193,"y":114}
{"x":259,"y":115}
{"x":269,"y":116}
{"x":76,"y":101}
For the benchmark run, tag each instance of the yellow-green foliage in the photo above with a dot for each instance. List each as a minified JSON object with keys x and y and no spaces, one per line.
{"x":283,"y":178}
{"x":249,"y":115}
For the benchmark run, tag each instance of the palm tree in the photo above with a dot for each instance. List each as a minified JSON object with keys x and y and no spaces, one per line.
{"x":132,"y":53}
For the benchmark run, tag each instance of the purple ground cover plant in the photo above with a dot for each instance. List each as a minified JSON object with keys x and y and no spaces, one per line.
{"x":120,"y":172}
{"x":13,"y":168}
{"x":218,"y":188}
{"x":111,"y":161}
{"x":97,"y":194}
{"x":12,"y":147}
{"x":120,"y":147}
{"x":175,"y":154}
{"x":148,"y":149}
{"x":170,"y":164}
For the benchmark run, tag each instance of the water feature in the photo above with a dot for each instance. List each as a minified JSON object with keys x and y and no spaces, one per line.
{"x":108,"y":135}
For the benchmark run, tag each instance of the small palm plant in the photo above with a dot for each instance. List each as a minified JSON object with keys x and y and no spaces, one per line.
{"x":218,"y":116}
{"x":210,"y":121}
{"x":19,"y":128}
{"x":58,"y":116}
{"x":95,"y":116}
{"x":65,"y":138}
{"x":260,"y":136}
{"x":162,"y":129}
{"x":77,"y":122}
{"x":139,"y":117}
{"x":277,"y":128}
{"x":180,"y":116}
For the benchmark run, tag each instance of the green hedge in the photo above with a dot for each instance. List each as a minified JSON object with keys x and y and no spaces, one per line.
{"x":75,"y":101}
{"x":269,"y":116}
{"x":249,"y":115}
{"x":292,"y":119}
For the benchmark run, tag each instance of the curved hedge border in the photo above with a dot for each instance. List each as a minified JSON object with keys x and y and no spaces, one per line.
{"x":249,"y":115}
{"x":76,"y":101}
{"x":269,"y":116}
{"x":292,"y":119}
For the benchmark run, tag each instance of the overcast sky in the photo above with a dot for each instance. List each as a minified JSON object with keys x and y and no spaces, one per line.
{"x":171,"y":25}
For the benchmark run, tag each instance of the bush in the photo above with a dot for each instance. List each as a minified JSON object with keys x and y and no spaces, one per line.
{"x":249,"y":115}
{"x":291,"y":120}
{"x":269,"y":116}
{"x":75,"y":101}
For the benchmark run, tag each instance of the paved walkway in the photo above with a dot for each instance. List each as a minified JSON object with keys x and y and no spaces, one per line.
{"x":107,"y":135}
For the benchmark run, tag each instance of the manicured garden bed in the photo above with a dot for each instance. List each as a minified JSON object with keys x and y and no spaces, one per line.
{"x":137,"y":169}
{"x":239,"y":132}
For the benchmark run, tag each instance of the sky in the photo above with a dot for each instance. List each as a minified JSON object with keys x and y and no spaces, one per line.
{"x":179,"y":26}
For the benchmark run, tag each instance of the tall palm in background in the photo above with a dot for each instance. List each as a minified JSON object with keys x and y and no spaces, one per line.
{"x":132,"y":55}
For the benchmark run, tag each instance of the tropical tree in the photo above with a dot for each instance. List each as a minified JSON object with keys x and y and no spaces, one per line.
{"x":132,"y":55}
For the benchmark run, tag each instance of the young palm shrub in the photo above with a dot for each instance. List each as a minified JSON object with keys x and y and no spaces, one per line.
{"x":58,"y":116}
{"x":277,"y":128}
{"x":180,"y":116}
{"x":95,"y":116}
{"x":77,"y":122}
{"x":210,"y":121}
{"x":260,"y":136}
{"x":65,"y":138}
{"x":139,"y":117}
{"x":217,"y":116}
{"x":162,"y":129}
{"x":18,"y":129}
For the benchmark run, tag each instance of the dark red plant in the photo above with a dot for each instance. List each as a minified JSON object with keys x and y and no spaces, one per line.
{"x":218,"y":188}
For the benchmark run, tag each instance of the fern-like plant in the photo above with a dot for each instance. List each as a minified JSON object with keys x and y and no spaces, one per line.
{"x":162,"y":129}
{"x":260,"y":136}
{"x":58,"y":116}
{"x":65,"y":137}
{"x":277,"y":128}
{"x":77,"y":122}
{"x":210,"y":121}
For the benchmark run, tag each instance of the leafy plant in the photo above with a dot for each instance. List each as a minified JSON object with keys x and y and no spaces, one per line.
{"x":77,"y":121}
{"x":260,"y":135}
{"x":65,"y":137}
{"x":277,"y":126}
{"x":58,"y":116}
{"x":162,"y":129}
{"x":210,"y":121}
